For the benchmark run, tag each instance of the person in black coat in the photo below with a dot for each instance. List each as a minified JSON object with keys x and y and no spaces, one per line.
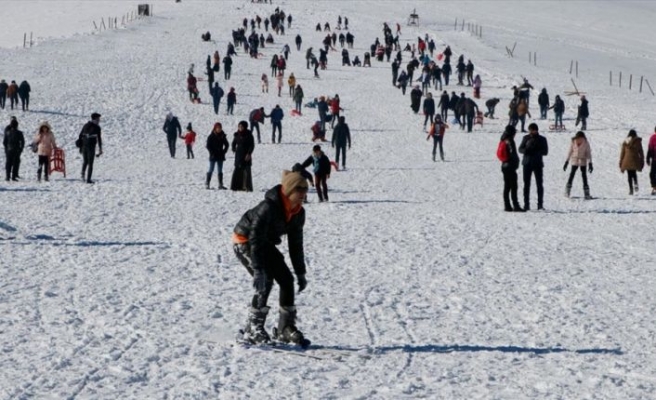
{"x":341,"y":138}
{"x":507,"y":154}
{"x":243,"y":145}
{"x":3,"y":93}
{"x":14,"y":143}
{"x":217,"y":145}
{"x":559,"y":110}
{"x":227,"y":66}
{"x":543,"y":102}
{"x":24,"y":94}
{"x":298,"y":42}
{"x":255,"y":239}
{"x":491,"y":104}
{"x":415,"y":99}
{"x":321,"y":168}
{"x":533,"y":147}
{"x":90,"y":136}
{"x":583,"y":114}
{"x":173,"y":130}
{"x":429,"y":109}
{"x":445,"y":100}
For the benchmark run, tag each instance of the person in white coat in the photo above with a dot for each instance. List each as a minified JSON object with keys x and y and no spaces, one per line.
{"x":44,"y":143}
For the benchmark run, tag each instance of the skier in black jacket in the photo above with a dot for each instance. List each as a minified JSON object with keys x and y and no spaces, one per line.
{"x":255,"y":238}
{"x":533,"y":147}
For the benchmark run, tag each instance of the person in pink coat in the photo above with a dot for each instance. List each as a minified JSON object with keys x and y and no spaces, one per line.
{"x":579,"y":156}
{"x":44,"y":141}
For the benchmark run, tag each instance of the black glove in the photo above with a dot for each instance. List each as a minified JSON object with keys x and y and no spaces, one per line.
{"x":259,"y":280}
{"x":590,"y":167}
{"x":565,"y":165}
{"x":302,"y":282}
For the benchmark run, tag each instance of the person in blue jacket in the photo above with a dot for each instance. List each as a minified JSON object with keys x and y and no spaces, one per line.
{"x":276,"y":116}
{"x":217,"y":94}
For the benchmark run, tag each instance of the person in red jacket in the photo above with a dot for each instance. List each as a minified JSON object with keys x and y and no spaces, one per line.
{"x":189,"y":139}
{"x":334,"y":110}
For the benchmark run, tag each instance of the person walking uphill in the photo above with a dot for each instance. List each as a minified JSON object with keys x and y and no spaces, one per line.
{"x":45,"y":142}
{"x":255,"y":238}
{"x":217,"y":145}
{"x":533,"y":147}
{"x":14,"y":143}
{"x":173,"y":130}
{"x":276,"y":116}
{"x":243,"y":145}
{"x":341,"y":138}
{"x":90,"y":136}
{"x":579,"y":156}
{"x":507,"y":154}
{"x":632,"y":159}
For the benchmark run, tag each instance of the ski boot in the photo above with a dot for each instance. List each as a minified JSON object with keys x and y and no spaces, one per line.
{"x":254,"y":331}
{"x":287,"y":331}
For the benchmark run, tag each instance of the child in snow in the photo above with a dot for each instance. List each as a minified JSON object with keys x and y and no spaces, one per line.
{"x":265,"y":84}
{"x":189,"y":139}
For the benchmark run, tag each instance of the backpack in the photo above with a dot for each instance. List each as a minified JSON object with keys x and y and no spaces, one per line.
{"x":502,"y":152}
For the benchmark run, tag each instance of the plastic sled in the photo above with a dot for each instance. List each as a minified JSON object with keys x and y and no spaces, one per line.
{"x":557,"y":129}
{"x":295,"y":113}
{"x":334,"y":164}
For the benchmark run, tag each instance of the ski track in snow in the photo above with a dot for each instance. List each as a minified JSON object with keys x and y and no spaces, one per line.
{"x":419,"y":285}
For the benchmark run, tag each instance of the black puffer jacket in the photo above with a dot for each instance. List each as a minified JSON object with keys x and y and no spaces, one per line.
{"x":264,"y":226}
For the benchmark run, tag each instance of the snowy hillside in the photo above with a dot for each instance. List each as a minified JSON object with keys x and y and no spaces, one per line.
{"x":420,"y":285}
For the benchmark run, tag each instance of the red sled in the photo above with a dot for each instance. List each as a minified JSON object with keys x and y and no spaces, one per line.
{"x":479,"y":118}
{"x":334,"y":164}
{"x":440,"y":57}
{"x":295,"y":113}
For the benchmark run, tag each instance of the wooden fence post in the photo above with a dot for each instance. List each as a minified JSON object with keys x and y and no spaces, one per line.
{"x":577,"y":68}
{"x":455,"y":25}
{"x":24,"y":40}
{"x":31,"y":42}
{"x":620,"y":78}
{"x":463,"y":25}
{"x":630,"y":81}
{"x":535,"y":58}
{"x":571,"y":65}
{"x":641,"y":83}
{"x":649,"y":86}
{"x":611,"y":78}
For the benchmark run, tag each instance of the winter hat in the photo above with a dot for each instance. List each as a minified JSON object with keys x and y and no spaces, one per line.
{"x":291,"y":181}
{"x":316,"y":148}
{"x":189,"y":126}
{"x":44,"y":123}
{"x":579,"y":134}
{"x":95,"y":116}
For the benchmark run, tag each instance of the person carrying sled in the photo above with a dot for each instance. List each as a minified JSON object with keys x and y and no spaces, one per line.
{"x":255,"y":239}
